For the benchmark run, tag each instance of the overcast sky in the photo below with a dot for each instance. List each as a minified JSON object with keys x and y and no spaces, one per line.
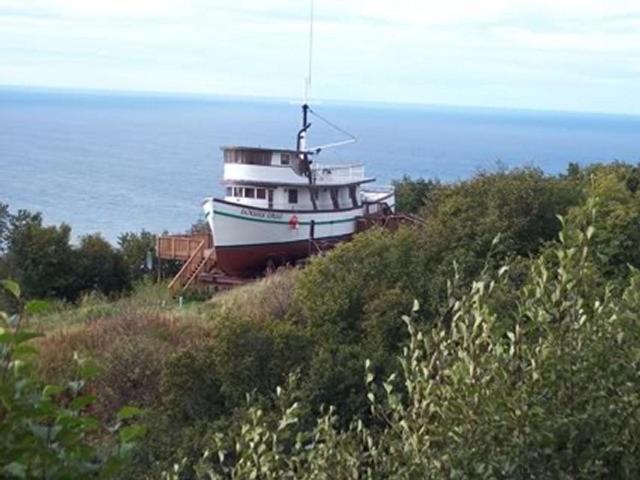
{"x":543,"y":54}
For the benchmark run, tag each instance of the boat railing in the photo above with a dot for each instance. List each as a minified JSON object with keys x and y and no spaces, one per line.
{"x":338,"y":173}
{"x":378,"y":189}
{"x":181,"y":247}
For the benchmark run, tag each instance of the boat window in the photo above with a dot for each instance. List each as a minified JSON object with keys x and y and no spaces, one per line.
{"x":285,"y":158}
{"x":237,"y":191}
{"x":229,"y":191}
{"x":261,"y":193}
{"x":248,"y":157}
{"x":293,"y":195}
{"x":250,"y":192}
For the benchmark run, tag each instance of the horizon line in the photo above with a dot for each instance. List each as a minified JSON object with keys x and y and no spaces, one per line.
{"x":319,"y":101}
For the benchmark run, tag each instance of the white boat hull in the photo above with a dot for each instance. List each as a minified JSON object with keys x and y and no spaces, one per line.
{"x":248,"y":239}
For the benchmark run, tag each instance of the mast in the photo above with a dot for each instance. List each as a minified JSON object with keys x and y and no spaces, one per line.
{"x":301,"y":144}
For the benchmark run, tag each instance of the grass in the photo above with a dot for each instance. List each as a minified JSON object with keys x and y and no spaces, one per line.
{"x":267,"y":299}
{"x":131,"y":338}
{"x":146,"y":298}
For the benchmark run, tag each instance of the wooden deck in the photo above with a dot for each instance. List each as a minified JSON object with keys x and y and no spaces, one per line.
{"x":197,"y":253}
{"x":181,"y":247}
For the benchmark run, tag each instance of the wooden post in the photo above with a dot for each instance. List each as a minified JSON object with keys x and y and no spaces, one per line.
{"x":312,"y":233}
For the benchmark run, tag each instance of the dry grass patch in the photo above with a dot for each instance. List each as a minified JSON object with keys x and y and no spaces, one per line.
{"x":131,"y":351}
{"x":270,"y":298}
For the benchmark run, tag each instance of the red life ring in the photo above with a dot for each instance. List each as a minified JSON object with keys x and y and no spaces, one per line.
{"x":293,"y":223}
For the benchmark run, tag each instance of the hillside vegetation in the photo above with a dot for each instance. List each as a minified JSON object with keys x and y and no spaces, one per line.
{"x":501,"y":340}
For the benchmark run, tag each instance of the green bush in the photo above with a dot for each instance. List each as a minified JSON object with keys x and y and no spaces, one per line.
{"x":135,"y":248}
{"x":100,"y":267}
{"x":545,"y":390}
{"x":46,"y":431}
{"x":412,"y":195}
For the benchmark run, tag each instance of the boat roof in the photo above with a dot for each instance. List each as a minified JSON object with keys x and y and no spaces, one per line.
{"x":241,"y":148}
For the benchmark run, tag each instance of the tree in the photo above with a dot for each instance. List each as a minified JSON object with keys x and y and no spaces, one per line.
{"x":100,"y":267}
{"x":135,"y":247}
{"x":40,"y":257}
{"x":411,"y":195}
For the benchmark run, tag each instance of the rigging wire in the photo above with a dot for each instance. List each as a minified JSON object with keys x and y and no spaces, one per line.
{"x":332,"y":125}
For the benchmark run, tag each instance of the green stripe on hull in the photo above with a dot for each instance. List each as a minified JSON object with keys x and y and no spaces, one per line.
{"x":282,"y":222}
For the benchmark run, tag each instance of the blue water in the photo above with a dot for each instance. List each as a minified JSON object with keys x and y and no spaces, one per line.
{"x":116,"y":163}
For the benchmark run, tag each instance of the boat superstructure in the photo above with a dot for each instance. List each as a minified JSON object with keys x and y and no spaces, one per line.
{"x":281,"y":205}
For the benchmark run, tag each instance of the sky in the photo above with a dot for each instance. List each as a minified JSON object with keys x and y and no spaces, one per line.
{"x":577,"y":55}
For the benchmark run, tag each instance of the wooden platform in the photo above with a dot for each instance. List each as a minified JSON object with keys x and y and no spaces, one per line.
{"x":181,"y":247}
{"x":196,"y":251}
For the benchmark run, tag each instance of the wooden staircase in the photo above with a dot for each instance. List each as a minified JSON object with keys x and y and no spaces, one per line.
{"x":197,"y":253}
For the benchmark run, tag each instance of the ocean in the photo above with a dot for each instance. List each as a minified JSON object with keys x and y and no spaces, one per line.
{"x":113,"y":163}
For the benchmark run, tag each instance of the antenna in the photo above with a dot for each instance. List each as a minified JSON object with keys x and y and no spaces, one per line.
{"x":307,"y":83}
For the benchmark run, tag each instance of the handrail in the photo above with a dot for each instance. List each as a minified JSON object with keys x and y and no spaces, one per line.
{"x":197,"y":253}
{"x":201,"y":265}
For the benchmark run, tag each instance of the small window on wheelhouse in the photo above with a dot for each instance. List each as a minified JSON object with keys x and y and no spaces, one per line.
{"x":261,"y":193}
{"x":285,"y":159}
{"x":250,"y":192}
{"x":237,"y":191}
{"x":293,"y":195}
{"x":229,"y":191}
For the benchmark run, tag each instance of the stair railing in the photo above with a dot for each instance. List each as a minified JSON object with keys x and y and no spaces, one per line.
{"x":189,"y":266}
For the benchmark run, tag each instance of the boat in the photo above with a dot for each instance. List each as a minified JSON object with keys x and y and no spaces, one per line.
{"x":280,"y":206}
{"x":283,"y":205}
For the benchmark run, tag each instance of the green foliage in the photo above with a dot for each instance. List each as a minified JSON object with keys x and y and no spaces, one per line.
{"x":4,"y":226}
{"x":527,"y":370}
{"x":45,"y":263}
{"x":412,"y":195}
{"x":333,"y":290}
{"x":545,"y":390}
{"x":100,"y":267}
{"x":46,"y":430}
{"x":245,"y":357}
{"x":40,"y":257}
{"x":618,"y":224}
{"x":521,"y":205}
{"x":135,"y":247}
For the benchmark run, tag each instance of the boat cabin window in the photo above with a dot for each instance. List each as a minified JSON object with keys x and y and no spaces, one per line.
{"x":247,"y":192}
{"x":293,"y":195}
{"x":248,"y":157}
{"x":285,"y":159}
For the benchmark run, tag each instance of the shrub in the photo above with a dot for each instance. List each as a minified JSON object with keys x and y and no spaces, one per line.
{"x":412,"y":195}
{"x":546,"y":390}
{"x":135,"y":247}
{"x":100,"y":267}
{"x":45,"y":430}
{"x":131,"y":351}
